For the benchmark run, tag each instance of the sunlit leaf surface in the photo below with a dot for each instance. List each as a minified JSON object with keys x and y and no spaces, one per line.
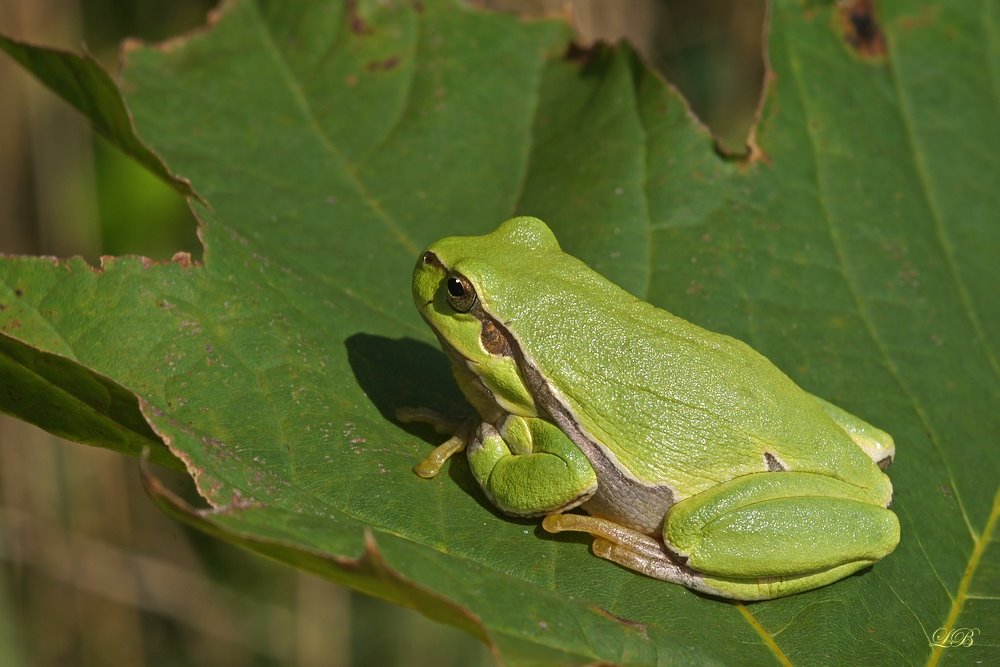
{"x":857,"y":249}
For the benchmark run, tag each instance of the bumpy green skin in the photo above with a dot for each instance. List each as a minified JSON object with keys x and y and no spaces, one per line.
{"x":766,"y":483}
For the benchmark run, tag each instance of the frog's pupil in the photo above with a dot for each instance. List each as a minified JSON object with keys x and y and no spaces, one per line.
{"x":455,"y":287}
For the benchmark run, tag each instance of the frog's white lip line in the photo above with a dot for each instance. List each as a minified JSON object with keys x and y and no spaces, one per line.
{"x":451,"y":347}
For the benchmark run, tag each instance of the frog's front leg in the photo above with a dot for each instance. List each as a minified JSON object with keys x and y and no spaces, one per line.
{"x":528,"y":467}
{"x":460,"y":430}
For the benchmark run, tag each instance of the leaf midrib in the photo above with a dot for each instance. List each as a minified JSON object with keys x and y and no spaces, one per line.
{"x":971,"y":568}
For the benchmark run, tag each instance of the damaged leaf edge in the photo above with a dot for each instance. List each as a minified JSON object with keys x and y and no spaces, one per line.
{"x":141,"y":152}
{"x":369,"y":567}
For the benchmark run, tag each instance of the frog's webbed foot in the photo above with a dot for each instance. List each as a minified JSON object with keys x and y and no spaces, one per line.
{"x":629,"y":548}
{"x":460,"y":430}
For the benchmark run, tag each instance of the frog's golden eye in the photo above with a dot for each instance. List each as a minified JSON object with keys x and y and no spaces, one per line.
{"x":461,"y":294}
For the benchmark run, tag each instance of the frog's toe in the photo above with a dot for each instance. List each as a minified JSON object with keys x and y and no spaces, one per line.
{"x":440,"y":423}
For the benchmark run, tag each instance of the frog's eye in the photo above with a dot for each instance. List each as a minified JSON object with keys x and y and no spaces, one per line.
{"x":461,"y":294}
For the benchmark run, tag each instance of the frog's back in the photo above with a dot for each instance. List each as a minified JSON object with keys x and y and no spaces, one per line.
{"x":642,"y":380}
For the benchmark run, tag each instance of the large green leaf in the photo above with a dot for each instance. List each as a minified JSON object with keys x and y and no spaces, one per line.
{"x":331,"y":141}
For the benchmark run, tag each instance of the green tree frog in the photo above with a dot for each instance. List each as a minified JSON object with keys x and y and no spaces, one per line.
{"x":695,"y":459}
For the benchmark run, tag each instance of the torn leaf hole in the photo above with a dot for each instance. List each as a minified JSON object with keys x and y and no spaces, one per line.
{"x":577,"y":53}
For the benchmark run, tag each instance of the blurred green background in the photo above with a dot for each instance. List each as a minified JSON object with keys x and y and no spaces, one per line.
{"x":90,"y":572}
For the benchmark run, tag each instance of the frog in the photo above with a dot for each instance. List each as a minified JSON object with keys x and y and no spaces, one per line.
{"x":684,"y":454}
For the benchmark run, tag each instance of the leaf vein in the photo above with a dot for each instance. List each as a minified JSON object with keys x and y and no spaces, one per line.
{"x":947,"y":251}
{"x":305,"y":108}
{"x":863,"y":312}
{"x":970,"y":570}
{"x":404,"y":107}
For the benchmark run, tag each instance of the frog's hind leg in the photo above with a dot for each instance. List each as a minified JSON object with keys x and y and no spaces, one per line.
{"x":641,"y":553}
{"x":629,"y":548}
{"x":788,"y":531}
{"x":874,"y":442}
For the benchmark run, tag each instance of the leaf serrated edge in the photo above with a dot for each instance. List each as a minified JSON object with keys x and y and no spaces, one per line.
{"x":369,"y":565}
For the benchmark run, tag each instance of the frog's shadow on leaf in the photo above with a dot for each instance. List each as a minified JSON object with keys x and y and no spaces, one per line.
{"x":404,"y":372}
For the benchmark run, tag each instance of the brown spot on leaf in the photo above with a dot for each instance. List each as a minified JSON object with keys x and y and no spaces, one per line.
{"x":182,"y":258}
{"x":237,"y":502}
{"x":861,"y":28}
{"x":634,"y":625}
{"x":383,"y":65}
{"x":358,"y":24}
{"x":927,"y":16}
{"x":3,"y":307}
{"x":695,"y":288}
{"x":18,"y":292}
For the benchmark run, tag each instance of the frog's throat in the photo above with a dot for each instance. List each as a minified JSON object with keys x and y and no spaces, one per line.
{"x":620,"y":496}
